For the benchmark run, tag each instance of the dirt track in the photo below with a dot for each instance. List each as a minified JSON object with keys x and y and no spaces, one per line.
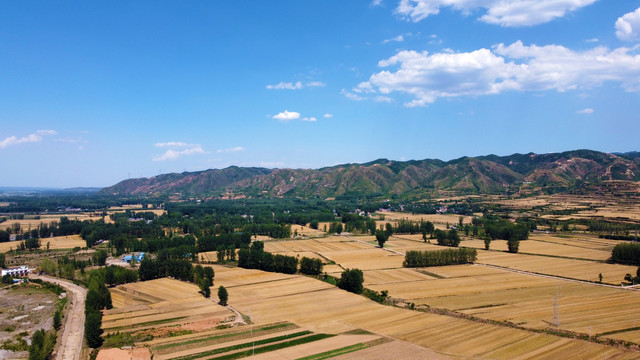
{"x":70,"y":346}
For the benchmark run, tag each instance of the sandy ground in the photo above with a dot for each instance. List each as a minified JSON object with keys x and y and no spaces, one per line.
{"x":70,"y":345}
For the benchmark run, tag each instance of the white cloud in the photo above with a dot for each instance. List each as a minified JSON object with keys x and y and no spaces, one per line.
{"x":287,"y":116}
{"x":499,"y":12}
{"x":375,"y":3}
{"x":309,"y":119}
{"x":234,"y":149}
{"x":172,"y":144}
{"x":327,"y":116}
{"x":295,"y":86}
{"x":586,"y":111}
{"x":398,"y":38}
{"x":285,"y":86}
{"x":47,"y":132}
{"x":382,"y":99}
{"x":172,"y":154}
{"x":428,"y":77}
{"x":352,"y":96}
{"x":31,"y":138}
{"x":628,"y":26}
{"x":315,"y":84}
{"x":592,"y":40}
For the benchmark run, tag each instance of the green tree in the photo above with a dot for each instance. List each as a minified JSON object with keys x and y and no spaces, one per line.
{"x":221,"y":252}
{"x":99,"y":258}
{"x":209,"y":274}
{"x":382,"y":237}
{"x":223,"y":296}
{"x":513,"y":244}
{"x":351,"y":280}
{"x":92,"y":328}
{"x":487,"y":243}
{"x":57,"y":319}
{"x":310,"y":266}
{"x":2,"y":260}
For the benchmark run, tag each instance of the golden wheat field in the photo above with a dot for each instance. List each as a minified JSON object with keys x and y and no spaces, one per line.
{"x":497,"y":293}
{"x":146,"y":305}
{"x":320,"y":307}
{"x":507,"y":296}
{"x":55,"y":243}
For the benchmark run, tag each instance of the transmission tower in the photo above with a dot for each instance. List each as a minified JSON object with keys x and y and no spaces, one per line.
{"x":556,"y":309}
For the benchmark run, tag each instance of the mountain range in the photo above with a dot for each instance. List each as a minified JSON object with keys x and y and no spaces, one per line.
{"x":467,"y":175}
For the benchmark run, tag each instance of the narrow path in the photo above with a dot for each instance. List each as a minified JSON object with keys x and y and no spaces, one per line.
{"x":70,"y":345}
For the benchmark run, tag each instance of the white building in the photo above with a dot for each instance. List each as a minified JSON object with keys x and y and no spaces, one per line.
{"x":16,"y":272}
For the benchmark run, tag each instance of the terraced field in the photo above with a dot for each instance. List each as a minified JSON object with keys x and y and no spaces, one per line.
{"x":161,"y":303}
{"x":322,"y":308}
{"x":500,"y":292}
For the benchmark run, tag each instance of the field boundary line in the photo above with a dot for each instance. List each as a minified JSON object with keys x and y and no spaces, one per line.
{"x":524,"y":272}
{"x":375,"y":246}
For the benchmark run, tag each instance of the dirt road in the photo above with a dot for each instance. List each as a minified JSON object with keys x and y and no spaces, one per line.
{"x":70,"y":346}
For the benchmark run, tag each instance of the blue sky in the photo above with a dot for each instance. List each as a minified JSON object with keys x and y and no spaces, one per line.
{"x":94,"y":92}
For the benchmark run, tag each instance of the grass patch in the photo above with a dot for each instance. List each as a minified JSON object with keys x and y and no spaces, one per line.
{"x":245,"y":345}
{"x":222,"y":336}
{"x":335,"y":352}
{"x":119,"y":339}
{"x":274,"y":347}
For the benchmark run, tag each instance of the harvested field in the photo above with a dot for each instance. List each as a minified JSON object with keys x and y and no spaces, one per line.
{"x":436,"y":219}
{"x":30,"y":223}
{"x":55,"y":243}
{"x":317,"y":347}
{"x":305,"y":231}
{"x":506,"y":296}
{"x":570,"y":268}
{"x":335,"y":311}
{"x":400,"y":350}
{"x":145,"y":305}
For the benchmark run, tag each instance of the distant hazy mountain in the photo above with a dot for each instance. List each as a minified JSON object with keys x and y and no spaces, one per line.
{"x":467,"y":175}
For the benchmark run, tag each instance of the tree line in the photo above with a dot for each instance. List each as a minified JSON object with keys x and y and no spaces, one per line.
{"x":439,"y":257}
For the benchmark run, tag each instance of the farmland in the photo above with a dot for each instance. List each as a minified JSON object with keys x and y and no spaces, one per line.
{"x":501,"y":286}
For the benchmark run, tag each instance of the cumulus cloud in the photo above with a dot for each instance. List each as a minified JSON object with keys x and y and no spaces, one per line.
{"x":231,"y":150}
{"x":327,"y":116}
{"x":628,"y":26}
{"x":586,"y":111}
{"x":427,"y":77}
{"x":375,"y":3}
{"x":178,"y":149}
{"x":311,"y":118}
{"x":172,"y":154}
{"x":31,"y":138}
{"x":287,"y":116}
{"x":500,"y":12}
{"x":295,"y":86}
